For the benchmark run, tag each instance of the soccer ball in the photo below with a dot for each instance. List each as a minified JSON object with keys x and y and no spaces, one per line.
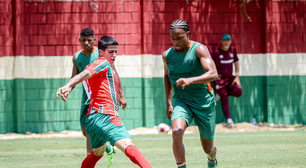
{"x":163,"y":128}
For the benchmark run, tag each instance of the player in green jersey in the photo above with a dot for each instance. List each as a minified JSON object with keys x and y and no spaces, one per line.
{"x":189,"y":69}
{"x":81,"y":59}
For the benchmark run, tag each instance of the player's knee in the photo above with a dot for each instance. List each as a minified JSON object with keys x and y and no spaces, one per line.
{"x":100,"y":151}
{"x":207,"y":150}
{"x":177,"y":134}
{"x":239,"y":94}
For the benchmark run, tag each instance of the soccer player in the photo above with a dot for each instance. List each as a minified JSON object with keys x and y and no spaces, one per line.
{"x":81,"y":59}
{"x":189,"y":70}
{"x":103,"y":123}
{"x":227,"y":84}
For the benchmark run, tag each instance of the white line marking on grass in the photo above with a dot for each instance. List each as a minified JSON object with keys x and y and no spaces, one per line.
{"x":217,"y":136}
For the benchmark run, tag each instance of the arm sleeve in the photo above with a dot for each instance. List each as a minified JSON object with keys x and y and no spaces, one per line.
{"x":98,"y":67}
{"x":235,"y":56}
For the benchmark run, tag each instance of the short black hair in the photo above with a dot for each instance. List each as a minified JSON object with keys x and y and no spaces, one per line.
{"x":106,"y":41}
{"x":179,"y":24}
{"x":87,"y":32}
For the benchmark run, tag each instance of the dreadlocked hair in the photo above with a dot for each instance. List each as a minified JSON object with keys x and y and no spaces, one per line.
{"x":179,"y":24}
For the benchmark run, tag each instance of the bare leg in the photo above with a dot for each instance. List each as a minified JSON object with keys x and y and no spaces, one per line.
{"x":178,"y":128}
{"x":126,"y":146}
{"x":88,"y":145}
{"x":100,"y":151}
{"x":209,"y":148}
{"x":123,"y":143}
{"x":91,"y":160}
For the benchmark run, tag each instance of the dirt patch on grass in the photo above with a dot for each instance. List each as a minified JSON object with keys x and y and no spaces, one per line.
{"x":237,"y":127}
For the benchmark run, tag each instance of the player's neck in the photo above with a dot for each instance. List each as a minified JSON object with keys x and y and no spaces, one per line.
{"x":186,"y":48}
{"x":225,"y":49}
{"x":88,"y":52}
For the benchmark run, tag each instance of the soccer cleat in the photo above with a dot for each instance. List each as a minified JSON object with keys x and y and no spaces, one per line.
{"x":212,"y":164}
{"x":230,"y":121}
{"x":110,"y":156}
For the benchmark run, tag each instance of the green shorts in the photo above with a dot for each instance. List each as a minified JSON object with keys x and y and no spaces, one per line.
{"x":83,"y":113}
{"x":102,"y":128}
{"x":204,"y":118}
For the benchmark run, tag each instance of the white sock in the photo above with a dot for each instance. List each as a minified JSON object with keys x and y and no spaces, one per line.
{"x":230,"y":121}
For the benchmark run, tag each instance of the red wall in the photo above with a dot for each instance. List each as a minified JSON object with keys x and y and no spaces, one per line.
{"x":34,"y":28}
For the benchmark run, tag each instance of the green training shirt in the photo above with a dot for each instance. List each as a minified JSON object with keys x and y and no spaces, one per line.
{"x":187,"y":65}
{"x":82,"y":61}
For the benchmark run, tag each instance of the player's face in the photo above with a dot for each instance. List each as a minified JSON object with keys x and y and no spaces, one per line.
{"x":110,"y":53}
{"x":226,"y":43}
{"x":179,"y":39}
{"x":87,"y":42}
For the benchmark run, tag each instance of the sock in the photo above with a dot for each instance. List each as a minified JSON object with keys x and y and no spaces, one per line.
{"x":136,"y":156}
{"x":212,"y":155}
{"x":212,"y":163}
{"x":181,"y":165}
{"x":108,"y":148}
{"x":90,"y":161}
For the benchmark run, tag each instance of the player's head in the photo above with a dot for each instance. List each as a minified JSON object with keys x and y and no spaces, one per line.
{"x":179,"y":32}
{"x":226,"y":41}
{"x":87,"y":38}
{"x":108,"y":48}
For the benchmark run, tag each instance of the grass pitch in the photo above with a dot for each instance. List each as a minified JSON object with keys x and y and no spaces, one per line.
{"x":256,"y":149}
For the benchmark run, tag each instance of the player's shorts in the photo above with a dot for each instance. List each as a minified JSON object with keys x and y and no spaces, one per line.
{"x":204,"y":118}
{"x":83,"y":113}
{"x":101,"y":128}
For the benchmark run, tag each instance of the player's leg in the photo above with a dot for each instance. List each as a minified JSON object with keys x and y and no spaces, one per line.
{"x":211,"y":150}
{"x":131,"y":151}
{"x":84,"y":110}
{"x":205,"y":119}
{"x":180,"y":119}
{"x":110,"y":151}
{"x":96,"y":126}
{"x":88,"y":146}
{"x":178,"y":128}
{"x":222,"y":91}
{"x":118,"y":136}
{"x":91,"y":160}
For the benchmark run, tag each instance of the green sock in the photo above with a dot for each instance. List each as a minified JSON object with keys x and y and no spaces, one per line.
{"x":212,"y":163}
{"x":108,"y":148}
{"x":181,"y":165}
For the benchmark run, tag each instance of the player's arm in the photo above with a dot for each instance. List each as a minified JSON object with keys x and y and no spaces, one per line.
{"x":75,"y":69}
{"x":168,"y":88}
{"x":122,"y":100}
{"x":65,"y":90}
{"x":207,"y":64}
{"x":237,"y":68}
{"x":236,"y":63}
{"x":237,"y":80}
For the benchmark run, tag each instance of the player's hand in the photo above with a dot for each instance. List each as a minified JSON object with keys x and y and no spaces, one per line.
{"x":122,"y":102}
{"x":183,"y":82}
{"x":237,"y":82}
{"x":169,"y":111}
{"x":63,"y":92}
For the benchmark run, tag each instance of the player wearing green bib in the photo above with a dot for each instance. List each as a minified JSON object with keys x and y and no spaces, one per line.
{"x":81,"y":59}
{"x":189,"y":69}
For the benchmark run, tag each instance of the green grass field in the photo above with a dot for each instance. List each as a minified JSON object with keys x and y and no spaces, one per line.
{"x":259,"y":149}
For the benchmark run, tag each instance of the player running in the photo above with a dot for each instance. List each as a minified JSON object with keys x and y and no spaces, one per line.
{"x":81,"y":59}
{"x":188,"y":70}
{"x":103,"y":122}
